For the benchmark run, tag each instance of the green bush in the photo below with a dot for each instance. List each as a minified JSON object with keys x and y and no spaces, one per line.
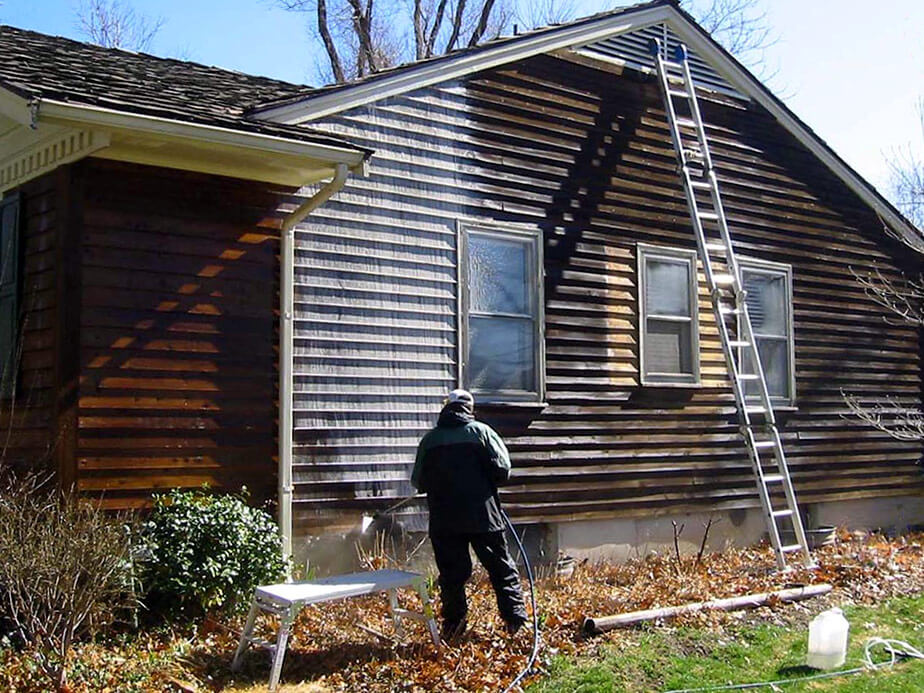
{"x":207,"y":552}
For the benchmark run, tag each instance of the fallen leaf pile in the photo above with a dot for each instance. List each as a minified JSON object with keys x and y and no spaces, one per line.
{"x":352,"y":646}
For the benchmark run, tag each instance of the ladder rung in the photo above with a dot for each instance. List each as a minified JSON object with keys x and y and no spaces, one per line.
{"x":773,"y":478}
{"x":761,"y":444}
{"x":738,"y":343}
{"x":702,"y":185}
{"x":685,"y":122}
{"x":716,"y":247}
{"x":747,"y":376}
{"x":678,"y":92}
{"x":672,"y":64}
{"x":724,"y":278}
{"x":782,"y":513}
{"x":709,"y":215}
{"x":755,"y":410}
{"x":791,"y":548}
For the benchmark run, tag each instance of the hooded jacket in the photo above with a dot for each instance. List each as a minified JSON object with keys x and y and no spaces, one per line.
{"x":459,"y":465}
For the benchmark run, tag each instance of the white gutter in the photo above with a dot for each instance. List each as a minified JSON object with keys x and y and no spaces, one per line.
{"x":287,"y":348}
{"x":69,"y":113}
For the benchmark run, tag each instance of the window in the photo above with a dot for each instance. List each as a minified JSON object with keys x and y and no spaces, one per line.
{"x":669,"y":329}
{"x":769,"y":300}
{"x":502,"y":349}
{"x":9,"y":292}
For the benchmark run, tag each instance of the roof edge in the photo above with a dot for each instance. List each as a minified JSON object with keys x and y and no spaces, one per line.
{"x":54,"y":110}
{"x":451,"y":66}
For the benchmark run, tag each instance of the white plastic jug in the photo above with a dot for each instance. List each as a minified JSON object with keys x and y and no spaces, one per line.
{"x":827,"y":643}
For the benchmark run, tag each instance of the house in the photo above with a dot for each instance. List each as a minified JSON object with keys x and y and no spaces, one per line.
{"x":520,"y":229}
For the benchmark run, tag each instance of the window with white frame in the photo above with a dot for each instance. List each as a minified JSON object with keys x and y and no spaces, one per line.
{"x":769,"y":300}
{"x":668,"y":325}
{"x":502,"y":346}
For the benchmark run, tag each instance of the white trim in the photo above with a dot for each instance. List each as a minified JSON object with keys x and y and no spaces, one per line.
{"x":442,"y":70}
{"x":531,"y":236}
{"x":15,"y":107}
{"x":29,"y":153}
{"x":405,"y":79}
{"x":645,"y":251}
{"x":65,"y":113}
{"x":769,"y":267}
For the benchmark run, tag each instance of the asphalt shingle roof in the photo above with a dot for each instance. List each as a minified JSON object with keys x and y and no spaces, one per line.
{"x":53,"y":67}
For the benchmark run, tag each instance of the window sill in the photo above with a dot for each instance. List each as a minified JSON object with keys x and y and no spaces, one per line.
{"x":509,"y":404}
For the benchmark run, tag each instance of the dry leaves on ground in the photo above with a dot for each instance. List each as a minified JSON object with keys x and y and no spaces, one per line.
{"x":334,"y":648}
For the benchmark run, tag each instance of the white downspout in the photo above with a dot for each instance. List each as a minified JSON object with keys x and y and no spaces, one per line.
{"x":286,"y":346}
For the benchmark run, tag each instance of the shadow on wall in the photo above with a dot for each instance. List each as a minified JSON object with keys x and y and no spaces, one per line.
{"x":178,"y":368}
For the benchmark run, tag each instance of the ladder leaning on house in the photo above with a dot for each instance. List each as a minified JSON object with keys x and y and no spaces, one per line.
{"x":723,"y":276}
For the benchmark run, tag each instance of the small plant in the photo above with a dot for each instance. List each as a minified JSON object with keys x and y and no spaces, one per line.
{"x":208,"y":551}
{"x":65,"y":572}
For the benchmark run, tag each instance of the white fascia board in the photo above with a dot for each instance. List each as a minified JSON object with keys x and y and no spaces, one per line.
{"x":15,"y":107}
{"x":312,"y":108}
{"x":67,"y":113}
{"x":750,"y":86}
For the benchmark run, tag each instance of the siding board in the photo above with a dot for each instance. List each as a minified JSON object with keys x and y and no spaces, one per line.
{"x":587,"y":157}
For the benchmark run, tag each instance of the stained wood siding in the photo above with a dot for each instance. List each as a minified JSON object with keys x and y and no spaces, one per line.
{"x":177,"y":333}
{"x":29,"y":429}
{"x":586,"y":156}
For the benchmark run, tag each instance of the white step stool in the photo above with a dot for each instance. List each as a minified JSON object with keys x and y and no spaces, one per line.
{"x":287,"y":599}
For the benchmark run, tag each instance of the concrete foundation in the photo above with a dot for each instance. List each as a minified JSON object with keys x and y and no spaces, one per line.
{"x":622,"y":539}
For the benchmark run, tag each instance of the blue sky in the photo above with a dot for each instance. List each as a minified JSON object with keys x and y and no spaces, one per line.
{"x":853,"y":70}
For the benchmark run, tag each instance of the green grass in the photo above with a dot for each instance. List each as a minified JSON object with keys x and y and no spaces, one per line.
{"x":656,"y":659}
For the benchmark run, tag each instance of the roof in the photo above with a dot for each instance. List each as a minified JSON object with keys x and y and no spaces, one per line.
{"x":34,"y":65}
{"x":315,"y":104}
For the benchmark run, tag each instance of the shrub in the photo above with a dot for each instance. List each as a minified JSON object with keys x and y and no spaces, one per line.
{"x":208,"y":552}
{"x":66,"y":569}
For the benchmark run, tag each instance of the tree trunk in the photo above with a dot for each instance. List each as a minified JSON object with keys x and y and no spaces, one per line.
{"x":332,"y":55}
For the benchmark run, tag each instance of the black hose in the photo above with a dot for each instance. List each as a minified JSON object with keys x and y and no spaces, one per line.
{"x":532,"y":595}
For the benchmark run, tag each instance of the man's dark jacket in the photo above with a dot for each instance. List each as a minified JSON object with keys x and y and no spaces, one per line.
{"x":459,"y":465}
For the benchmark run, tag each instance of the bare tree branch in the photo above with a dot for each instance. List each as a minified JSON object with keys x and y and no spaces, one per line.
{"x":889,"y":415}
{"x":114,"y":24}
{"x":456,"y":25}
{"x":482,"y":25}
{"x":906,"y":184}
{"x":435,"y":27}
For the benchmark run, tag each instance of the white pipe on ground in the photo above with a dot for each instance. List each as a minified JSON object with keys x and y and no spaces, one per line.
{"x":748,"y":601}
{"x":286,"y":345}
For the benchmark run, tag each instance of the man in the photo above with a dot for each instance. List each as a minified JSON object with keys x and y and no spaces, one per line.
{"x":459,"y":465}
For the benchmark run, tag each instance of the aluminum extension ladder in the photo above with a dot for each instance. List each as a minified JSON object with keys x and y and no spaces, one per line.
{"x":723,"y":276}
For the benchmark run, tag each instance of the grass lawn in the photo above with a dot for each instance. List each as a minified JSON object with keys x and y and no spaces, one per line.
{"x":661,"y":659}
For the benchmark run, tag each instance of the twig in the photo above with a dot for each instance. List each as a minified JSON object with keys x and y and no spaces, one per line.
{"x":677,"y":532}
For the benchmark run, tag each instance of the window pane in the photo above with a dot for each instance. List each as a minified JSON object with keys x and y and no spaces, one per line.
{"x":498,"y":275}
{"x":774,"y":357}
{"x":766,"y":299}
{"x":501,"y":354}
{"x":667,"y":347}
{"x":667,"y":287}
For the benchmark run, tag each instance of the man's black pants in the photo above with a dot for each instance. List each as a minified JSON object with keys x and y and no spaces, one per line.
{"x":455,"y":566}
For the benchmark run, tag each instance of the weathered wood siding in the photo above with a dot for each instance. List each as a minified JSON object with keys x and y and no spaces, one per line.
{"x":29,"y":435}
{"x":584,"y":155}
{"x":177,"y":333}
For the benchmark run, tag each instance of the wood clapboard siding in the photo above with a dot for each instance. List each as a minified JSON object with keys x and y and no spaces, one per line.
{"x":178,"y":333}
{"x":584,"y":155}
{"x":29,"y":428}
